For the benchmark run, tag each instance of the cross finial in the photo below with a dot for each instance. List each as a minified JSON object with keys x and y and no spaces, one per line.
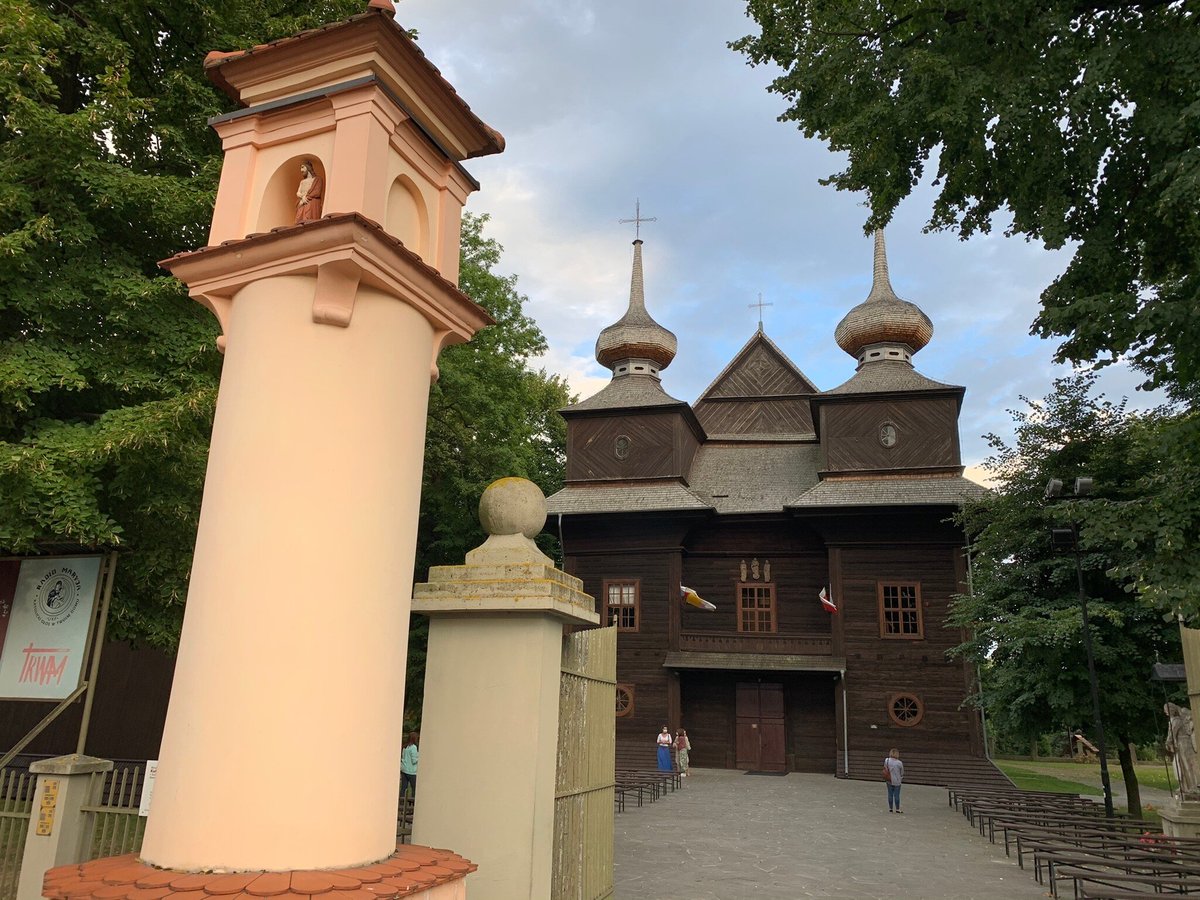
{"x":760,"y":306}
{"x":637,"y":220}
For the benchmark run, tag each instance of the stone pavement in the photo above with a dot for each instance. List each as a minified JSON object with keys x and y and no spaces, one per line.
{"x":732,"y":836}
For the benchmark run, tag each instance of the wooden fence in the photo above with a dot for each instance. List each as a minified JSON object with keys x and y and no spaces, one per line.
{"x":583,"y":805}
{"x":111,"y":812}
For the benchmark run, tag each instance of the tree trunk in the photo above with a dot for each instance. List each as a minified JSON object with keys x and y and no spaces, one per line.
{"x":1033,"y":747}
{"x":1132,"y":793}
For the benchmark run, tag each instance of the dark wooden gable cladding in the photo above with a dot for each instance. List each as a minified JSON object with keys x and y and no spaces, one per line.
{"x":761,"y":392}
{"x":626,"y":444}
{"x":923,"y":432}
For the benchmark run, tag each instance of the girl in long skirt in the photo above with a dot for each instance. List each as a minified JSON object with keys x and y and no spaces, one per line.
{"x":664,"y":750}
{"x":682,"y":748}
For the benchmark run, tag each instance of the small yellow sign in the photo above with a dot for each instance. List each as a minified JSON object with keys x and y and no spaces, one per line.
{"x":45,"y":821}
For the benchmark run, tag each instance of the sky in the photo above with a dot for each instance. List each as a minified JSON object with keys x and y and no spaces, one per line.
{"x":605,"y":103}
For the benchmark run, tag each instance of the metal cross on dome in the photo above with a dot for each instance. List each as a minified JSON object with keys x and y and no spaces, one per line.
{"x":760,"y":306}
{"x":637,"y":220}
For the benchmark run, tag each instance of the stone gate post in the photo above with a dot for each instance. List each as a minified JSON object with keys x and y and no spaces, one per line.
{"x":489,"y":730}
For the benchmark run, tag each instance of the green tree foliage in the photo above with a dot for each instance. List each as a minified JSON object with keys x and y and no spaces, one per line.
{"x":108,"y":372}
{"x":490,"y":415}
{"x":1080,"y":120}
{"x":1024,"y":612}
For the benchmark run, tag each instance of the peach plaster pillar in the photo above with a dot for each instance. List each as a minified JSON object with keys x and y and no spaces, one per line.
{"x":279,"y":766}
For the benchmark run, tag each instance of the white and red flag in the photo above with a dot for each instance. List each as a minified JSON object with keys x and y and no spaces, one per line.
{"x":827,"y":604}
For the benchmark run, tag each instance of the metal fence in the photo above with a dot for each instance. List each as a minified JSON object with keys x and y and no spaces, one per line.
{"x":583,"y":805}
{"x":16,"y":806}
{"x":111,"y":812}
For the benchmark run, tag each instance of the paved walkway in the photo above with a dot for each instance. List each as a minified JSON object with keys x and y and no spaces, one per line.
{"x":731,"y":836}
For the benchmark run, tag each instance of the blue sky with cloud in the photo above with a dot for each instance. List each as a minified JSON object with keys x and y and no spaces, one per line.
{"x":605,"y":102}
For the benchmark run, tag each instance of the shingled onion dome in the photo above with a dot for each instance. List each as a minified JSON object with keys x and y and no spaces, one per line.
{"x":883,"y":327}
{"x":636,"y":344}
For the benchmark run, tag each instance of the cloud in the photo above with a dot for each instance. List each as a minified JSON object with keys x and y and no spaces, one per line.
{"x":605,"y":103}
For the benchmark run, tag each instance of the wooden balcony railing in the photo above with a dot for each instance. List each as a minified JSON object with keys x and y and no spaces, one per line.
{"x":710,"y":642}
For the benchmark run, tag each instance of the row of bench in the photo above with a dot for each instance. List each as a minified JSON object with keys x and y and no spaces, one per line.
{"x":638,"y":779}
{"x":1065,"y":838}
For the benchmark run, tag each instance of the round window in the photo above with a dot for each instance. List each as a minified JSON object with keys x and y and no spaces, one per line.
{"x":624,"y":700}
{"x":888,"y":435}
{"x":906,"y":709}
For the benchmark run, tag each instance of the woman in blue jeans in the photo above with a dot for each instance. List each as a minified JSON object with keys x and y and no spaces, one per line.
{"x":895,"y":770}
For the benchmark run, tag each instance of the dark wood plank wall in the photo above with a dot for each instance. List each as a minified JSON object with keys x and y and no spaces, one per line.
{"x":927,"y":434}
{"x":879,"y":667}
{"x":712,"y":567}
{"x":759,"y":416}
{"x":708,"y":703}
{"x":812,"y":724}
{"x":640,"y":654}
{"x":659,"y":445}
{"x":127,"y":716}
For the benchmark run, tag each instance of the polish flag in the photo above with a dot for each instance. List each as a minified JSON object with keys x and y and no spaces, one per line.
{"x":826,"y":603}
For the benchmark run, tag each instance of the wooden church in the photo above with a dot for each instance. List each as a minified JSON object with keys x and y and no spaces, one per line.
{"x":759,"y":496}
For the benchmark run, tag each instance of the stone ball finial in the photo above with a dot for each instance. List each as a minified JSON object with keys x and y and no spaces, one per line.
{"x":512,"y":506}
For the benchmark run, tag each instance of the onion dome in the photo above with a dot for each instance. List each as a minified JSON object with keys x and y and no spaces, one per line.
{"x":636,"y":344}
{"x":883,"y":327}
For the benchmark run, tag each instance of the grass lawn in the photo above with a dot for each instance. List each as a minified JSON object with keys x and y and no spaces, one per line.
{"x":1150,"y":774}
{"x":1063,"y":776}
{"x":1030,"y":780}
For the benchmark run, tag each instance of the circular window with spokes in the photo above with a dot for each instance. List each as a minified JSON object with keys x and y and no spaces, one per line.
{"x":624,"y":700}
{"x":906,"y":709}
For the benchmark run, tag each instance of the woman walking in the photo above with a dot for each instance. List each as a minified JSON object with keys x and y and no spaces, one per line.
{"x":682,"y":747}
{"x":408,"y":764}
{"x":895,"y":772}
{"x":664,"y":750}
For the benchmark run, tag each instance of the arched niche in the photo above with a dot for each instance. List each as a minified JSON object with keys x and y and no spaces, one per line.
{"x":407,"y":217}
{"x":278,"y":206}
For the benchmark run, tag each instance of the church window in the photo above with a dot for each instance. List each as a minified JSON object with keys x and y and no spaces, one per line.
{"x":900,"y":610}
{"x":622,"y":602}
{"x":624,"y":700}
{"x":906,"y":709}
{"x":756,"y":607}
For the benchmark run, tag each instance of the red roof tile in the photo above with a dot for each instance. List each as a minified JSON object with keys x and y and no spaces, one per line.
{"x":410,"y":870}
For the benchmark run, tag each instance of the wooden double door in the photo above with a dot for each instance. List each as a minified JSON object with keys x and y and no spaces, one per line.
{"x":761,"y":727}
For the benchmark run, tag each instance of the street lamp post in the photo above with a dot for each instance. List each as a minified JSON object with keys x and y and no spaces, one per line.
{"x":1070,"y":537}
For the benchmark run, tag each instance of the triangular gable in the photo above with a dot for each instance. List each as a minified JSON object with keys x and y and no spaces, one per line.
{"x":760,"y":369}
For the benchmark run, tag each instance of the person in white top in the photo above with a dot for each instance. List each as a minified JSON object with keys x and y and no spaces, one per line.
{"x":895,"y":771}
{"x":665,"y":742}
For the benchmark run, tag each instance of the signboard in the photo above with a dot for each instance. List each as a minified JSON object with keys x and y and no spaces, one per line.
{"x":45,"y":819}
{"x":46,"y":609}
{"x":148,"y":787}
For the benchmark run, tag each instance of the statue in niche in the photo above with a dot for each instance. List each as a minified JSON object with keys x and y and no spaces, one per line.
{"x":1181,"y":747}
{"x":743,"y":570}
{"x":754,"y":568}
{"x":310,"y":194}
{"x":766,"y":570}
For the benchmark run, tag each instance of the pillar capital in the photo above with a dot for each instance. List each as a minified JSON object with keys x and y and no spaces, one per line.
{"x":520,"y":588}
{"x":345,"y":251}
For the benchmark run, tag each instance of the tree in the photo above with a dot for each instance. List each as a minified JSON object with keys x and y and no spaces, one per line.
{"x":1023,"y":611}
{"x":1078,"y":119}
{"x":108,"y":372}
{"x":490,"y":415}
